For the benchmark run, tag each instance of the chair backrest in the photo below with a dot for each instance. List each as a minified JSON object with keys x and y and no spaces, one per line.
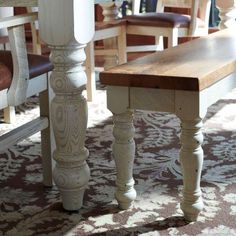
{"x":198,"y":8}
{"x":161,"y":4}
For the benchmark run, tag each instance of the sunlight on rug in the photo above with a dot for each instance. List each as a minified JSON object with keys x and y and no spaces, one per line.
{"x":27,"y":208}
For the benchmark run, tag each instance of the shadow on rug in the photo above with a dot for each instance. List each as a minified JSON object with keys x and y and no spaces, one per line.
{"x":27,"y":208}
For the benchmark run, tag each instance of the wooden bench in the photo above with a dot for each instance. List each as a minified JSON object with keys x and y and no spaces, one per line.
{"x":184,"y":80}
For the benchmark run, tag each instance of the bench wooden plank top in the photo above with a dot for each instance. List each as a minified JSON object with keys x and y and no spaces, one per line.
{"x":191,"y":66}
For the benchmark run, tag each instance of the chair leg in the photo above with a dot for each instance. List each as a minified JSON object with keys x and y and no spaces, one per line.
{"x":110,"y":60}
{"x":2,"y":46}
{"x":159,"y":43}
{"x":9,"y":114}
{"x":90,"y":71}
{"x":46,"y":142}
{"x":121,"y":44}
{"x":173,"y":38}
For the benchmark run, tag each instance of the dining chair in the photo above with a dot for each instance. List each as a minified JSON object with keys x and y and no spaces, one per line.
{"x":169,"y":24}
{"x":23,"y":75}
{"x":103,"y":31}
{"x":9,"y":112}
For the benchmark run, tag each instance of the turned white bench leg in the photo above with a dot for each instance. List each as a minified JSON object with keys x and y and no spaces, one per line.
{"x":123,"y":152}
{"x":191,"y":158}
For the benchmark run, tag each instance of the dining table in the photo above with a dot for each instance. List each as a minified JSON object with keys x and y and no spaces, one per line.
{"x":66,"y":26}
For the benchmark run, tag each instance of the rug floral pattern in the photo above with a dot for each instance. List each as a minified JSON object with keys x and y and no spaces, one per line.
{"x":28,"y":208}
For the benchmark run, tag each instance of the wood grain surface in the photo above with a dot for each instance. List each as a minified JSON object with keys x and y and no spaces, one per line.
{"x":192,"y":66}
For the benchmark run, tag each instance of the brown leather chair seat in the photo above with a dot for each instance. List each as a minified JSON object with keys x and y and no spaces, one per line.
{"x":5,"y":77}
{"x":38,"y":65}
{"x":166,"y":19}
{"x":4,"y":39}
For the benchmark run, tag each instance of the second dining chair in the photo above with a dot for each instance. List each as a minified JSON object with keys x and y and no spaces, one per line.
{"x":169,"y":24}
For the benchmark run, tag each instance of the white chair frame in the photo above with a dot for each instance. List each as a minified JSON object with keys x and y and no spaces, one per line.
{"x":21,"y":88}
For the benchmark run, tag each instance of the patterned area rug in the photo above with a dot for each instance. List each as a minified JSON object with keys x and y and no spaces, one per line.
{"x":27,"y":208}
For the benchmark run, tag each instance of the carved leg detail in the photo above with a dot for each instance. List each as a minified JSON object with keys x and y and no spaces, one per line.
{"x":124,"y":151}
{"x":227,"y":11}
{"x":191,"y":157}
{"x":69,"y":120}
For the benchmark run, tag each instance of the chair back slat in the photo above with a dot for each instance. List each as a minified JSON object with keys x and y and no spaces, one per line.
{"x":204,"y":10}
